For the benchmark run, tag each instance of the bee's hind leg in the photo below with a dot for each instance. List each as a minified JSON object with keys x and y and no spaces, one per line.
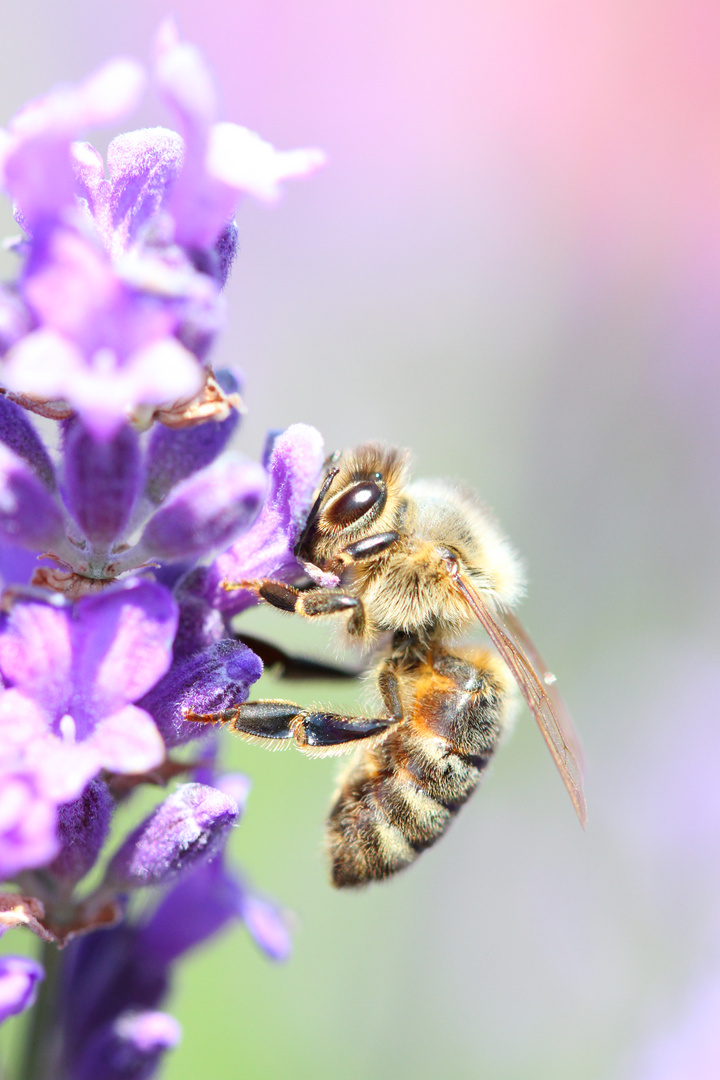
{"x":284,"y":720}
{"x":312,"y":731}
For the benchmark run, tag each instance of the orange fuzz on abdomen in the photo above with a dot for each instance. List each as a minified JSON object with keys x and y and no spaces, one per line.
{"x":400,"y":794}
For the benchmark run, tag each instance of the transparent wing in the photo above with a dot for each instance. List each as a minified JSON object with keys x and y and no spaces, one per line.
{"x":537,"y":686}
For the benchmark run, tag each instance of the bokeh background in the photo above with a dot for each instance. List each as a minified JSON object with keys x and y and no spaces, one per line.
{"x":511,"y":265}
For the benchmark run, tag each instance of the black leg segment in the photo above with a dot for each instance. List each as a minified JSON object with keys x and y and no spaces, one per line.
{"x":280,"y":720}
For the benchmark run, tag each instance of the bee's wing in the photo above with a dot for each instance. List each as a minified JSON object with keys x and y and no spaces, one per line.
{"x":536,"y":684}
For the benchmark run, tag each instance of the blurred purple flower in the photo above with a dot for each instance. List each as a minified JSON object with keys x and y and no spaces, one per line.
{"x":688,"y":1048}
{"x":127,"y":969}
{"x":130,"y":1048}
{"x":71,"y":676}
{"x":19,"y":978}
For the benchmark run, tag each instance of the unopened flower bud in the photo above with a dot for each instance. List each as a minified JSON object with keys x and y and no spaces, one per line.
{"x":206,"y":511}
{"x":82,"y":828}
{"x":188,"y":827}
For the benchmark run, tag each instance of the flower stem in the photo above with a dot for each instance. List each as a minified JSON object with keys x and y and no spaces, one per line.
{"x":40,"y":1059}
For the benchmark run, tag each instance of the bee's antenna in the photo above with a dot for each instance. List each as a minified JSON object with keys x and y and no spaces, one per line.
{"x":331,"y":474}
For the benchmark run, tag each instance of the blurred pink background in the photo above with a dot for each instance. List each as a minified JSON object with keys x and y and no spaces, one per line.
{"x":511,"y":264}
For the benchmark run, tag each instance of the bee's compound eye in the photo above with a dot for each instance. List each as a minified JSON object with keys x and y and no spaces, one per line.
{"x":354,"y":503}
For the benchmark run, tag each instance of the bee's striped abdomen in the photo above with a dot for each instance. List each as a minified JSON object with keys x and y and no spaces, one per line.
{"x":400,"y":794}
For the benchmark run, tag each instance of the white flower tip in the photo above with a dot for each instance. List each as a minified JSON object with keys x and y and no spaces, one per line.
{"x":113,"y":90}
{"x":167,"y":36}
{"x":6,"y":143}
{"x":243,"y":160}
{"x":186,"y":82}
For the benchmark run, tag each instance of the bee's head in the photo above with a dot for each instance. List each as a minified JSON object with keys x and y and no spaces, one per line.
{"x":358,"y":487}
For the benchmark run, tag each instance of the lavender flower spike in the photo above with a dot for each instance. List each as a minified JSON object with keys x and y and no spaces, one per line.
{"x":19,"y":977}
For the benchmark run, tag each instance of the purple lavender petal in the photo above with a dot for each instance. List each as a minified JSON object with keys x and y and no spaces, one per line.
{"x":54,"y":766}
{"x":237,"y":786}
{"x":19,"y":977}
{"x":17,"y":565}
{"x":27,"y":823}
{"x":206,"y":511}
{"x":184,"y":79}
{"x":222,"y":160}
{"x":236,"y":161}
{"x":19,"y":435}
{"x":105,"y":975}
{"x":243,"y":161}
{"x":217,"y":678}
{"x":198,"y":906}
{"x":36,"y":655}
{"x":199,"y":625}
{"x":74,"y":289}
{"x":101,"y":481}
{"x":173,"y":455}
{"x":267,"y":926}
{"x":37,"y":167}
{"x":130,"y":1048}
{"x":29,"y":515}
{"x":43,"y":364}
{"x":122,"y":640}
{"x":149,"y":1030}
{"x":15,"y":319}
{"x":82,"y":829}
{"x":142,"y":166}
{"x":105,"y":392}
{"x":189,"y":826}
{"x":266,"y":550}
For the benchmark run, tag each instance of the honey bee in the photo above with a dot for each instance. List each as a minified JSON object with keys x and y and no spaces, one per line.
{"x":408,"y":567}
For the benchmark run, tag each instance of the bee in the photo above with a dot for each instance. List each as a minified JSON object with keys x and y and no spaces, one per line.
{"x":407,"y":567}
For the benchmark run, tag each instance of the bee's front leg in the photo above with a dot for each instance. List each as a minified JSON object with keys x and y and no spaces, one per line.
{"x":312,"y":732}
{"x":310,"y":603}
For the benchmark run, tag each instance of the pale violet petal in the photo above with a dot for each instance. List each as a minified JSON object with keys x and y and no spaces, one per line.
{"x":42,"y":364}
{"x":128,"y":742}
